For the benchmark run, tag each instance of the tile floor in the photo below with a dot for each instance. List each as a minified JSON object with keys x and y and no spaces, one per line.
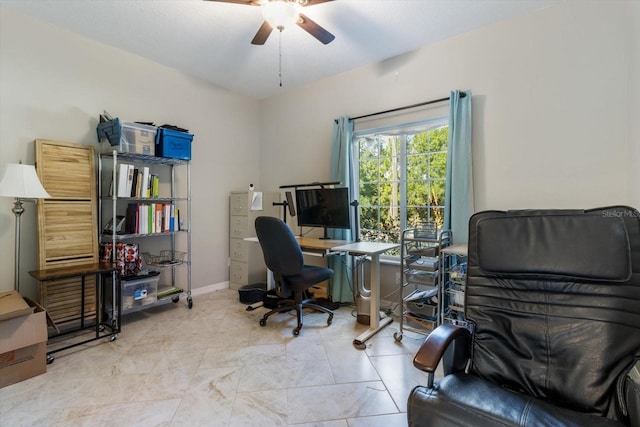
{"x":214,"y":365}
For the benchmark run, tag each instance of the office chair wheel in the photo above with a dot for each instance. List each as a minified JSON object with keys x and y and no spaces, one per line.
{"x":263,"y":322}
{"x":296,"y":330}
{"x":330,"y":319}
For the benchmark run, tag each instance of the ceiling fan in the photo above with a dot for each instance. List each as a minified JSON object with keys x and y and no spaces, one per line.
{"x":282,"y":13}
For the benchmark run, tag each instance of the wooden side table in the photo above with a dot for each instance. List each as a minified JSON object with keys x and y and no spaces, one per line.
{"x":109,"y":327}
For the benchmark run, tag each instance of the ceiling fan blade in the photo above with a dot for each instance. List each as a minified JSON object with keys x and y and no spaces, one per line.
{"x":312,"y":2}
{"x":315,"y":30}
{"x":263,"y":34}
{"x":247,"y":2}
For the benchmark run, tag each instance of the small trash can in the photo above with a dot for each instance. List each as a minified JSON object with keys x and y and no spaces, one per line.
{"x":250,"y":294}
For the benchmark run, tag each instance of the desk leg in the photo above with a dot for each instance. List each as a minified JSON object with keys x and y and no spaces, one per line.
{"x":99,"y":301}
{"x":82,"y":303}
{"x":116,"y":296}
{"x":375,"y":323}
{"x":374,"y":286}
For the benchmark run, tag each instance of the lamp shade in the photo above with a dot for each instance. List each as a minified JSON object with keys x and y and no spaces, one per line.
{"x":21,"y":181}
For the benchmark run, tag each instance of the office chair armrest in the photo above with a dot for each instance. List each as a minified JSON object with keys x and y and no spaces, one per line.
{"x":632,"y":395}
{"x":448,"y":343}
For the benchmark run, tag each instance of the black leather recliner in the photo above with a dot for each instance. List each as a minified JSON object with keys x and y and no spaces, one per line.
{"x":554,"y":297}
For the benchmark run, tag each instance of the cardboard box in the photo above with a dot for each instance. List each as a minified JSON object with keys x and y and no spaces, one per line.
{"x":23,"y":339}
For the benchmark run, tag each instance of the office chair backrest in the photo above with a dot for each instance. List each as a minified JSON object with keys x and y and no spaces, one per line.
{"x":555,"y":296}
{"x":282,"y":253}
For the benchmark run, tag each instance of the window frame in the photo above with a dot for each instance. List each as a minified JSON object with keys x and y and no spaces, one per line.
{"x":403,"y":130}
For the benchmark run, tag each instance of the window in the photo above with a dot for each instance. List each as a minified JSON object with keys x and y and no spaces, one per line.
{"x":401,"y":175}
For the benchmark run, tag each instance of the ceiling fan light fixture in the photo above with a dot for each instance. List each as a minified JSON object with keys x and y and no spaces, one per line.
{"x":280,"y":14}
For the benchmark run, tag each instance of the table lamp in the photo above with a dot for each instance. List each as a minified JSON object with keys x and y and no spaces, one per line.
{"x":21,"y":182}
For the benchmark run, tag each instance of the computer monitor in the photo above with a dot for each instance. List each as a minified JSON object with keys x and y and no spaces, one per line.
{"x":323,"y":207}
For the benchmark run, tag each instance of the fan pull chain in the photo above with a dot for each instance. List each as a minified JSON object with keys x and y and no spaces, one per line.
{"x":280,"y":56}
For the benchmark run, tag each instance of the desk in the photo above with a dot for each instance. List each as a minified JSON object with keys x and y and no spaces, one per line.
{"x":321,"y":246}
{"x":372,"y":249}
{"x":312,"y":245}
{"x":83,"y":270}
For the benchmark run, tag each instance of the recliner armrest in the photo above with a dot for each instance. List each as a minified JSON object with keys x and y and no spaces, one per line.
{"x":632,"y":395}
{"x":454,"y":340}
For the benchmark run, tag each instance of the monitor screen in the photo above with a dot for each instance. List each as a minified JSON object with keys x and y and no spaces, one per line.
{"x":323,"y":207}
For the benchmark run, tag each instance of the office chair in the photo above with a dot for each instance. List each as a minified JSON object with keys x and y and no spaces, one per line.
{"x":554,"y":300}
{"x":283,"y":256}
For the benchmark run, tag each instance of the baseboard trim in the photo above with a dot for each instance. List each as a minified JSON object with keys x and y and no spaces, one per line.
{"x":210,"y":288}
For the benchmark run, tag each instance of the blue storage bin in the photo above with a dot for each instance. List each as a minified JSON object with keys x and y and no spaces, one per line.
{"x":173,"y":144}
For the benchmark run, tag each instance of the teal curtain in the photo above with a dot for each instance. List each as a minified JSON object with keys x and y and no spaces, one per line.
{"x":340,"y":286}
{"x":459,"y":187}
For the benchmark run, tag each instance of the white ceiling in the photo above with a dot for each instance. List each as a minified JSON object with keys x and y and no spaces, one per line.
{"x":211,"y":40}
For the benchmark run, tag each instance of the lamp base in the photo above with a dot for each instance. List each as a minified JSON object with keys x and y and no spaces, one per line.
{"x":18,"y":209}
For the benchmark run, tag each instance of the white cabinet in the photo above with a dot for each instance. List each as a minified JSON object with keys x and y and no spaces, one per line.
{"x":246,"y":262}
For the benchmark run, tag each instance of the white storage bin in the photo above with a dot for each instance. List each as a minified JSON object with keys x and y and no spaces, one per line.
{"x":128,"y":137}
{"x":139,"y":292}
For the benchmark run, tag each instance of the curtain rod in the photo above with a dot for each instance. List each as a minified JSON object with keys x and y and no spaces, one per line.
{"x":311,"y":184}
{"x":434,"y":101}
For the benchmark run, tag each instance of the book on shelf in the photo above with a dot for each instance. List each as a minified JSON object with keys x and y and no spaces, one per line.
{"x":134,"y":183}
{"x":138,"y":192}
{"x":145,"y":182}
{"x":166,"y":217}
{"x":123,"y":176}
{"x":151,"y":210}
{"x":171,"y":291}
{"x":144,"y":219}
{"x":155,"y":186}
{"x":150,"y":218}
{"x":130,"y":170}
{"x":158,"y":222}
{"x":131,"y":222}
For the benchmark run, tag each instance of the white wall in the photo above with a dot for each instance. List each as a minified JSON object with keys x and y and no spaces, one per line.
{"x":551,"y":107}
{"x":53,"y":85}
{"x":555,"y":122}
{"x":554,"y":125}
{"x":634,"y":109}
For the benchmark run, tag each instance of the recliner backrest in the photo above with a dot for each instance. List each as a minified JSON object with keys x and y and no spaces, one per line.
{"x":555,"y":299}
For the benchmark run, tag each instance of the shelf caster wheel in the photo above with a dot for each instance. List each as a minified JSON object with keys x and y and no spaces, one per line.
{"x":113,"y":338}
{"x":190,"y":303}
{"x":175,"y":299}
{"x":263,"y":322}
{"x":50,"y":359}
{"x":101,"y":328}
{"x":330,"y":319}
{"x":397,"y":336}
{"x":296,"y":330}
